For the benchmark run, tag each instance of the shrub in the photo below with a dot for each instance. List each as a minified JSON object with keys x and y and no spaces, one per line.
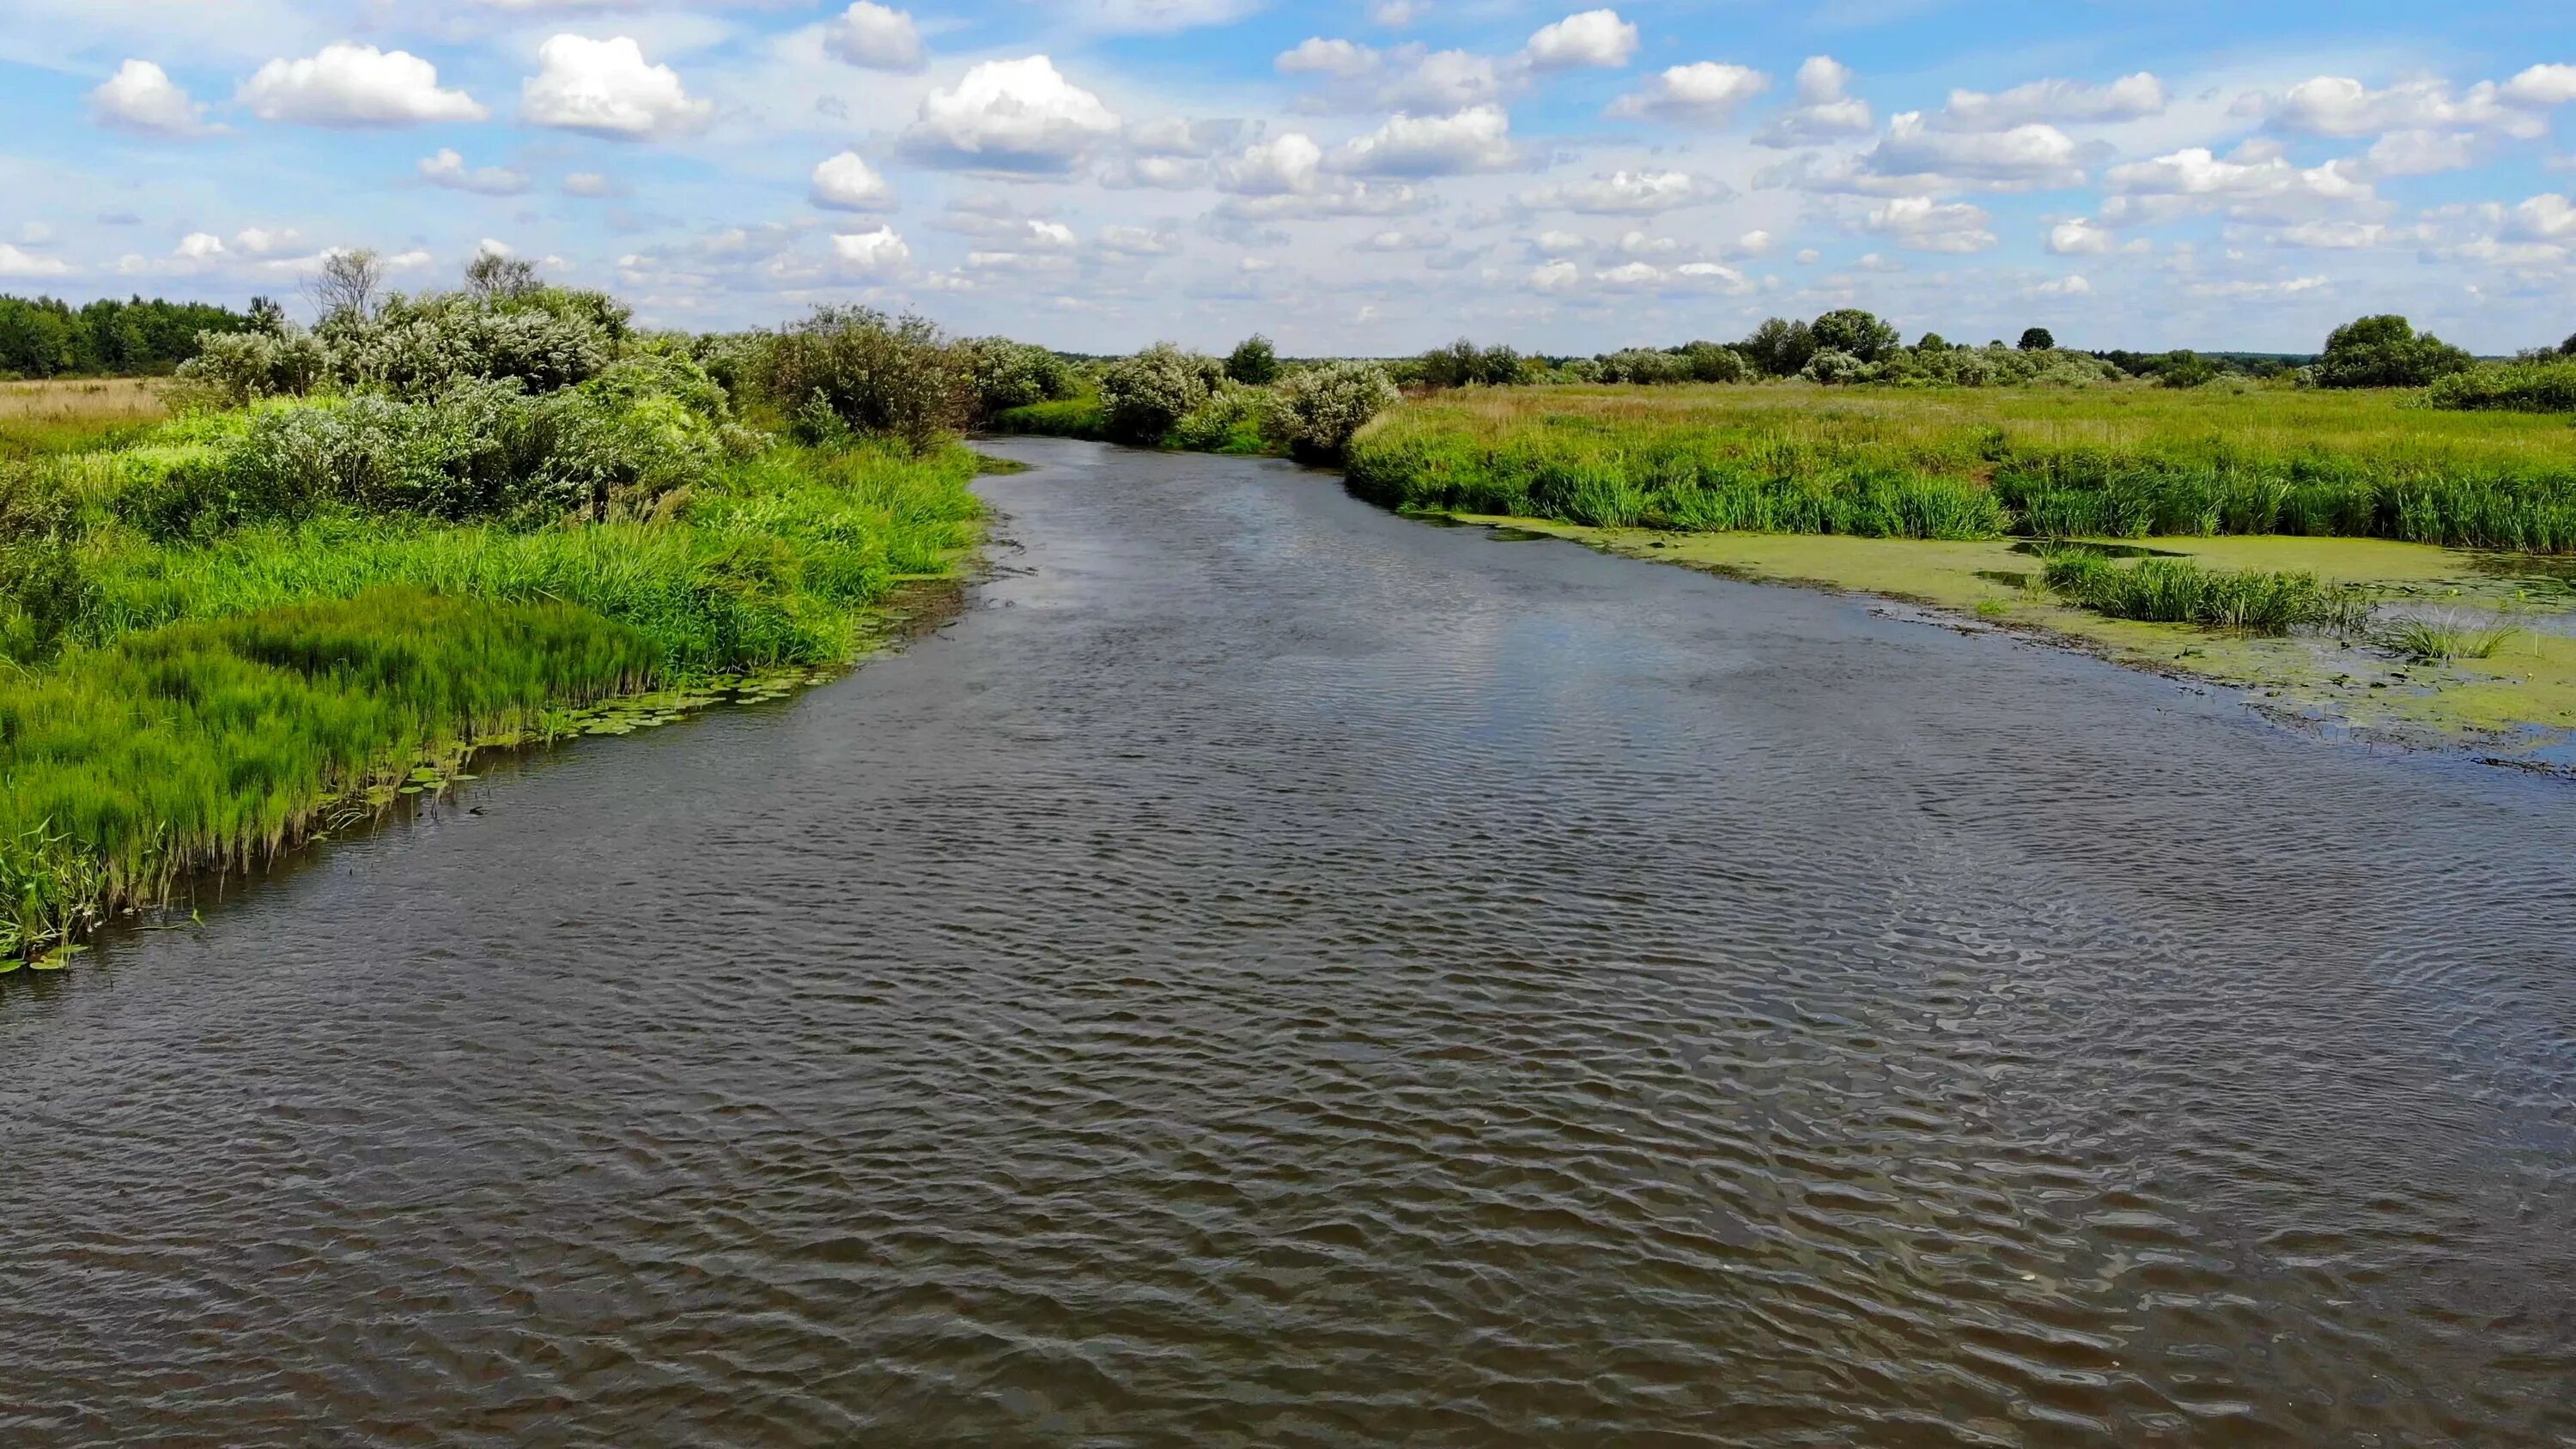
{"x":872,"y":374}
{"x":1856,"y":332}
{"x":2526,"y":387}
{"x":1320,"y":408}
{"x":1254,"y":362}
{"x":1145,"y":395}
{"x":546,"y":338}
{"x":1645,"y":366}
{"x":1463,"y":364}
{"x":2038,"y":339}
{"x":2386,"y":351}
{"x":232,"y":369}
{"x":1833,"y":367}
{"x":1711,"y":363}
{"x":1232,"y":420}
{"x":1011,"y":375}
{"x":2186,"y":369}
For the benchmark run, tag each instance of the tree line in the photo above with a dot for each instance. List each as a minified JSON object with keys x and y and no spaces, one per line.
{"x":47,"y":337}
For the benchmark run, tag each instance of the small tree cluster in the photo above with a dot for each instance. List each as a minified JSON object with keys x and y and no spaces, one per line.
{"x":1464,"y":364}
{"x":1320,"y":409}
{"x":2387,"y":351}
{"x":1254,"y":362}
{"x":1144,"y":396}
{"x":856,"y":369}
{"x":1011,"y":375}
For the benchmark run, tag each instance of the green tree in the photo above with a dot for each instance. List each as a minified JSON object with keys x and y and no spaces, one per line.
{"x":1853,"y":331}
{"x":2568,"y":347}
{"x":1254,"y":362}
{"x":2387,"y":351}
{"x":1780,"y":348}
{"x":2038,"y":339}
{"x":1933,"y":342}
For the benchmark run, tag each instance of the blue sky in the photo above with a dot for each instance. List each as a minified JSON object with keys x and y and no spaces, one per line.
{"x":1348,"y":175}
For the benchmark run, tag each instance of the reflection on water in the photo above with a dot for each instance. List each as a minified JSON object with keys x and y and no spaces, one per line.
{"x":1273,"y":972}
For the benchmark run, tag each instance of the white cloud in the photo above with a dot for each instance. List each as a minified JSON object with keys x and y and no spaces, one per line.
{"x":2079,"y":238}
{"x":1340,"y":59}
{"x":2072,"y":285}
{"x":1555,"y":276}
{"x":355,"y":85}
{"x":1397,"y":14}
{"x":606,"y":88}
{"x":1725,"y":278}
{"x":1478,"y":139}
{"x":448,"y":169}
{"x":873,"y":37}
{"x":1631,"y":274}
{"x":16,"y":263}
{"x":1921,"y":224}
{"x":1595,"y":38}
{"x":2290,"y":287}
{"x":2344,"y":236}
{"x":1405,"y":239}
{"x":2542,"y":85}
{"x":1151,"y":17}
{"x":260,"y":241}
{"x":198,"y":246}
{"x":142,"y":97}
{"x":2062,"y":102}
{"x":847,"y":183}
{"x":1343,"y":198}
{"x":2255,"y":186}
{"x":2547,"y":217}
{"x":1705,"y":93}
{"x":1558,"y":243}
{"x":870,"y":251}
{"x":1826,"y":109}
{"x":2342,"y":106}
{"x":1011,"y":115}
{"x":2031,"y":155}
{"x":1445,"y":80}
{"x":1289,"y":164}
{"x":1137,"y":241}
{"x":2423,"y":153}
{"x":1624,"y":193}
{"x":589,"y":185}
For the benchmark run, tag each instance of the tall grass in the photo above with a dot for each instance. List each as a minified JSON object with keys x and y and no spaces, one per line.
{"x":216,"y":745}
{"x":2109,"y":462}
{"x":2178,"y":591}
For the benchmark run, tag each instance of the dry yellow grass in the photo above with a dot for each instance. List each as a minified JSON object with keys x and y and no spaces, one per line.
{"x":44,"y":417}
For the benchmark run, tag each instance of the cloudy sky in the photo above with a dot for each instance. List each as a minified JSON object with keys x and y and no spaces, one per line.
{"x":1347,"y":175}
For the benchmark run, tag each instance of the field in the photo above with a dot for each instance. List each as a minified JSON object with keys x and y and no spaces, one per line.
{"x":2123,"y":462}
{"x":50,"y":417}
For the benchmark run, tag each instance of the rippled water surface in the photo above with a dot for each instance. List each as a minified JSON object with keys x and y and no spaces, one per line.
{"x":1274,"y":973}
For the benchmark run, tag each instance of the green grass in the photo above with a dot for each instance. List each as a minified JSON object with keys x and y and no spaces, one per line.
{"x":1970,"y":463}
{"x":2178,"y":591}
{"x":204,"y":705}
{"x":1073,"y":417}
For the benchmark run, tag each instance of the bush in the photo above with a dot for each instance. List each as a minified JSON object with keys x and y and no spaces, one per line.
{"x":870,"y":373}
{"x":1144,"y":396}
{"x":232,"y":369}
{"x":1710,"y":362}
{"x":1232,"y":420}
{"x":1011,"y":375}
{"x":2386,"y":351}
{"x":1645,"y":366}
{"x":1254,"y":362}
{"x":546,"y":338}
{"x":1320,"y":409}
{"x":1463,"y":364}
{"x":1835,"y":368}
{"x":2523,"y":387}
{"x":2186,"y":369}
{"x":1856,"y":332}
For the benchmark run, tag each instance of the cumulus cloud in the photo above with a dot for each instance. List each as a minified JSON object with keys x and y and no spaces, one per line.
{"x":1406,"y":239}
{"x":1555,"y":276}
{"x":2079,"y":238}
{"x":1921,"y":224}
{"x":589,"y":185}
{"x":1445,"y":80}
{"x":2341,"y":106}
{"x":1705,"y":93}
{"x":1146,"y":17}
{"x":1010,"y":116}
{"x":2542,"y":85}
{"x":355,"y":85}
{"x":2424,"y":152}
{"x":873,"y":37}
{"x":2033,"y":155}
{"x":847,"y":183}
{"x":17,"y":263}
{"x":606,"y":88}
{"x":141,"y":97}
{"x":872,"y":252}
{"x":2344,"y":236}
{"x":2253,"y":185}
{"x":1624,"y":193}
{"x":448,"y":169}
{"x":2072,"y":285}
{"x":1340,"y":59}
{"x":1478,"y":139}
{"x":1595,"y":38}
{"x":1290,"y":164}
{"x":1826,"y":109}
{"x":2547,"y":217}
{"x":2058,"y":102}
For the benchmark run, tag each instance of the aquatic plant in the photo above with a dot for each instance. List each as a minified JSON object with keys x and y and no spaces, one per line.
{"x":2432,"y":639}
{"x":2179,"y":591}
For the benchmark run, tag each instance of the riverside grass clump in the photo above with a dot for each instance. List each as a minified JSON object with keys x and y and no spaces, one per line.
{"x":2118,"y":462}
{"x":225,"y":633}
{"x":2179,"y":591}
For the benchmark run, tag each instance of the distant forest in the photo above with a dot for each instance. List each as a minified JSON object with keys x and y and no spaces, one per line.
{"x":43,"y":337}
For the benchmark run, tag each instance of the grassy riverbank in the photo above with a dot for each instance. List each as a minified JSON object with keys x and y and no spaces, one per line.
{"x":226,"y":633}
{"x":2115,"y":462}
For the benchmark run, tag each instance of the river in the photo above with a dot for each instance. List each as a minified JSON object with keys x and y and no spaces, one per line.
{"x":1272,"y":972}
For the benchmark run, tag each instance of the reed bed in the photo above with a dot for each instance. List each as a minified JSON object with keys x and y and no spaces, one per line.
{"x":2101,"y":462}
{"x":2178,"y":591}
{"x":64,"y":415}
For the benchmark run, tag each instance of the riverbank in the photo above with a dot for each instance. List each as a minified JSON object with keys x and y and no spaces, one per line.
{"x":191,"y":698}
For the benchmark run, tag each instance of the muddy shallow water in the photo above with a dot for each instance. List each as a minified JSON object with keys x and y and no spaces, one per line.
{"x":1271,"y":972}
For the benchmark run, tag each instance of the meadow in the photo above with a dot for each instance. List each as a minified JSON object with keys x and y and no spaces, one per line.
{"x":2120,"y":461}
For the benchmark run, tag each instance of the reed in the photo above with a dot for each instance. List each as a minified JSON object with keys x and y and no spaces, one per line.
{"x":2178,"y":591}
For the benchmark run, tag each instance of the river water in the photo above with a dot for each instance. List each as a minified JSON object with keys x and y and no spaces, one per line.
{"x":1273,"y":972}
